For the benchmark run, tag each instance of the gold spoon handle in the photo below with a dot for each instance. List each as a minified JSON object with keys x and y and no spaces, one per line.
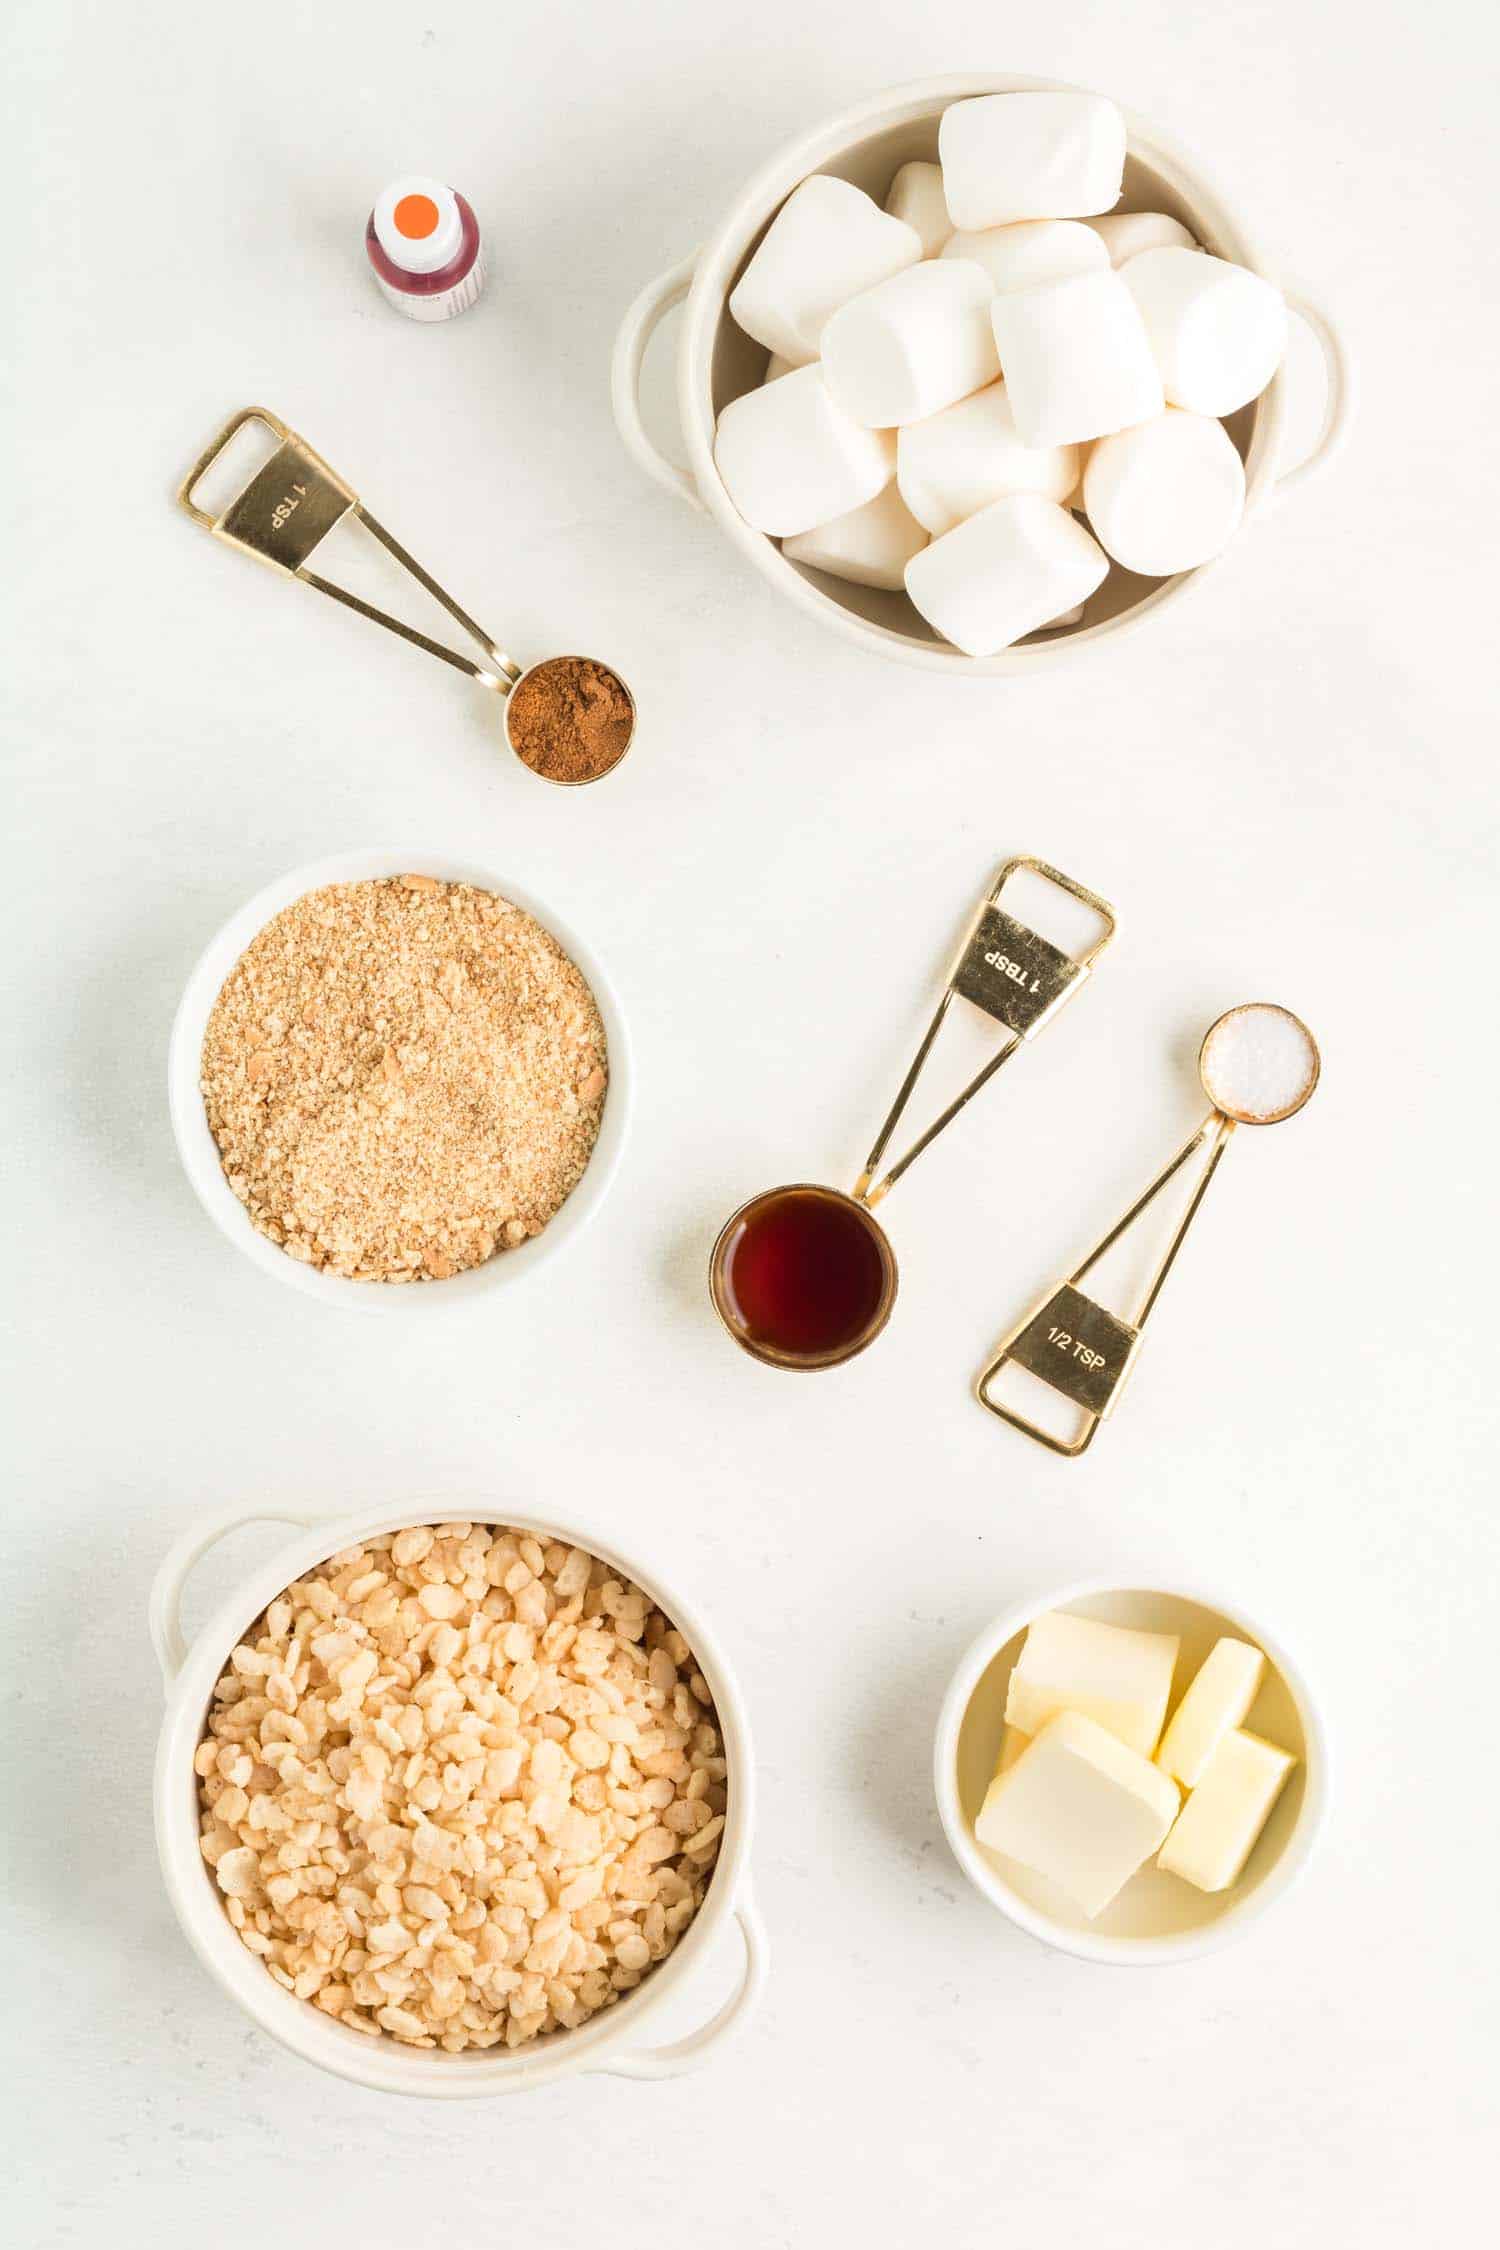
{"x":1075,"y":1345}
{"x":287,"y":510}
{"x":1011,"y":973}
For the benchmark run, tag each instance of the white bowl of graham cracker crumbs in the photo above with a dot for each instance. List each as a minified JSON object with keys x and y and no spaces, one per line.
{"x":397,"y":1079}
{"x":449,"y":1807}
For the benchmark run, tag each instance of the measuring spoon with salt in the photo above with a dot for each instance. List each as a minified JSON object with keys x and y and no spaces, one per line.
{"x":289,"y":507}
{"x":1258,"y":1064}
{"x":804,"y":1276}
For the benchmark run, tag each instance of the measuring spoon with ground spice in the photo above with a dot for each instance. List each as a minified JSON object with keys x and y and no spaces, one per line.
{"x":570,"y":719}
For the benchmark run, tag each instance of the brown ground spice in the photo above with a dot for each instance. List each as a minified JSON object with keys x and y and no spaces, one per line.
{"x":570,"y":719}
{"x":403,"y":1077}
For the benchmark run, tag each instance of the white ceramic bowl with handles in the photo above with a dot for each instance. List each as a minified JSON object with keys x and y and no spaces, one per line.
{"x":1158,"y":1917}
{"x":199,"y":1151}
{"x":716,"y":362}
{"x":616,"y":2040}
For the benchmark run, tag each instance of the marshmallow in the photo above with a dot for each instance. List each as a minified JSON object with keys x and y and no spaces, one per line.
{"x":1218,"y":331}
{"x":1125,"y":234}
{"x":913,"y":344}
{"x":1033,"y":251}
{"x":790,"y":458}
{"x":957,"y":462}
{"x":776,"y":367}
{"x":1076,"y":357}
{"x":1166,"y":495}
{"x":1011,"y":569}
{"x":1031,"y":156}
{"x":871,"y":546}
{"x":916,"y":198}
{"x":826,"y":243}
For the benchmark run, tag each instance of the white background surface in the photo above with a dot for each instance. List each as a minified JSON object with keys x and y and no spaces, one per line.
{"x":1287,"y":789}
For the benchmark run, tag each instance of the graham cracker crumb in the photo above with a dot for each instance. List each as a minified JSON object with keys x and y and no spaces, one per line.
{"x":403,"y":1078}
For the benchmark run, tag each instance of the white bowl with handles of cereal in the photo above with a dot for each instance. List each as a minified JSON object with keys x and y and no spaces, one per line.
{"x":413,"y":1813}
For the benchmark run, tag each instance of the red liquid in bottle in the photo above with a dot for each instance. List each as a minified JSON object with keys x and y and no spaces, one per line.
{"x":428,"y":284}
{"x":803,"y":1275}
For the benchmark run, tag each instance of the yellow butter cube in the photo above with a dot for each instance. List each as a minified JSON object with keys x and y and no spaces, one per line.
{"x":1118,"y":1677}
{"x":1216,"y":1830}
{"x":1080,"y":1807}
{"x":1223,"y":1689}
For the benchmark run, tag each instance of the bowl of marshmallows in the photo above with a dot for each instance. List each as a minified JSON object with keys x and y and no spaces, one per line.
{"x":979,"y":374}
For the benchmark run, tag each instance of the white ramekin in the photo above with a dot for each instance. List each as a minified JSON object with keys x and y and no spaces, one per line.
{"x":1157,"y":1918}
{"x":609,"y":2042}
{"x":716,"y":362}
{"x":199,"y":1152}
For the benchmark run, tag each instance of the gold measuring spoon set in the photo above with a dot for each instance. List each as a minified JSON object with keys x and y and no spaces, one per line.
{"x":804,"y":1276}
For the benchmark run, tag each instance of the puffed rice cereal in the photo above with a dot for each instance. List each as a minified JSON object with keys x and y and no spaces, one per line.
{"x":460,"y":1787}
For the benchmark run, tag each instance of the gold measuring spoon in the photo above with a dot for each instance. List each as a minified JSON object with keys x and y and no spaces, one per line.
{"x":804,"y":1276}
{"x":289,"y":507}
{"x":1258,"y":1064}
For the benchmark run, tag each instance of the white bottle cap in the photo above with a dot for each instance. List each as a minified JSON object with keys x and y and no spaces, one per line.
{"x":418,"y":224}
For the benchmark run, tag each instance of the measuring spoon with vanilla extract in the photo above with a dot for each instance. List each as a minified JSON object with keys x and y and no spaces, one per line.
{"x":804,"y":1276}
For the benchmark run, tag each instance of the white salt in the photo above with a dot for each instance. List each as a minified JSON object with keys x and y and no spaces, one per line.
{"x":1259,"y":1063}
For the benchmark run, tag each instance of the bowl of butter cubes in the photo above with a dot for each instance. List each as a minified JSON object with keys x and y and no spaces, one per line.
{"x":979,"y":374}
{"x":1131,"y":1775}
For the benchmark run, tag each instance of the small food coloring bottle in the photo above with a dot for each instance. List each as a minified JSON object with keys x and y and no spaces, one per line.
{"x":423,"y":241}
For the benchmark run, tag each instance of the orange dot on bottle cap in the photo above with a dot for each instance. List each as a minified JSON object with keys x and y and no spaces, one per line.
{"x":416,"y":217}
